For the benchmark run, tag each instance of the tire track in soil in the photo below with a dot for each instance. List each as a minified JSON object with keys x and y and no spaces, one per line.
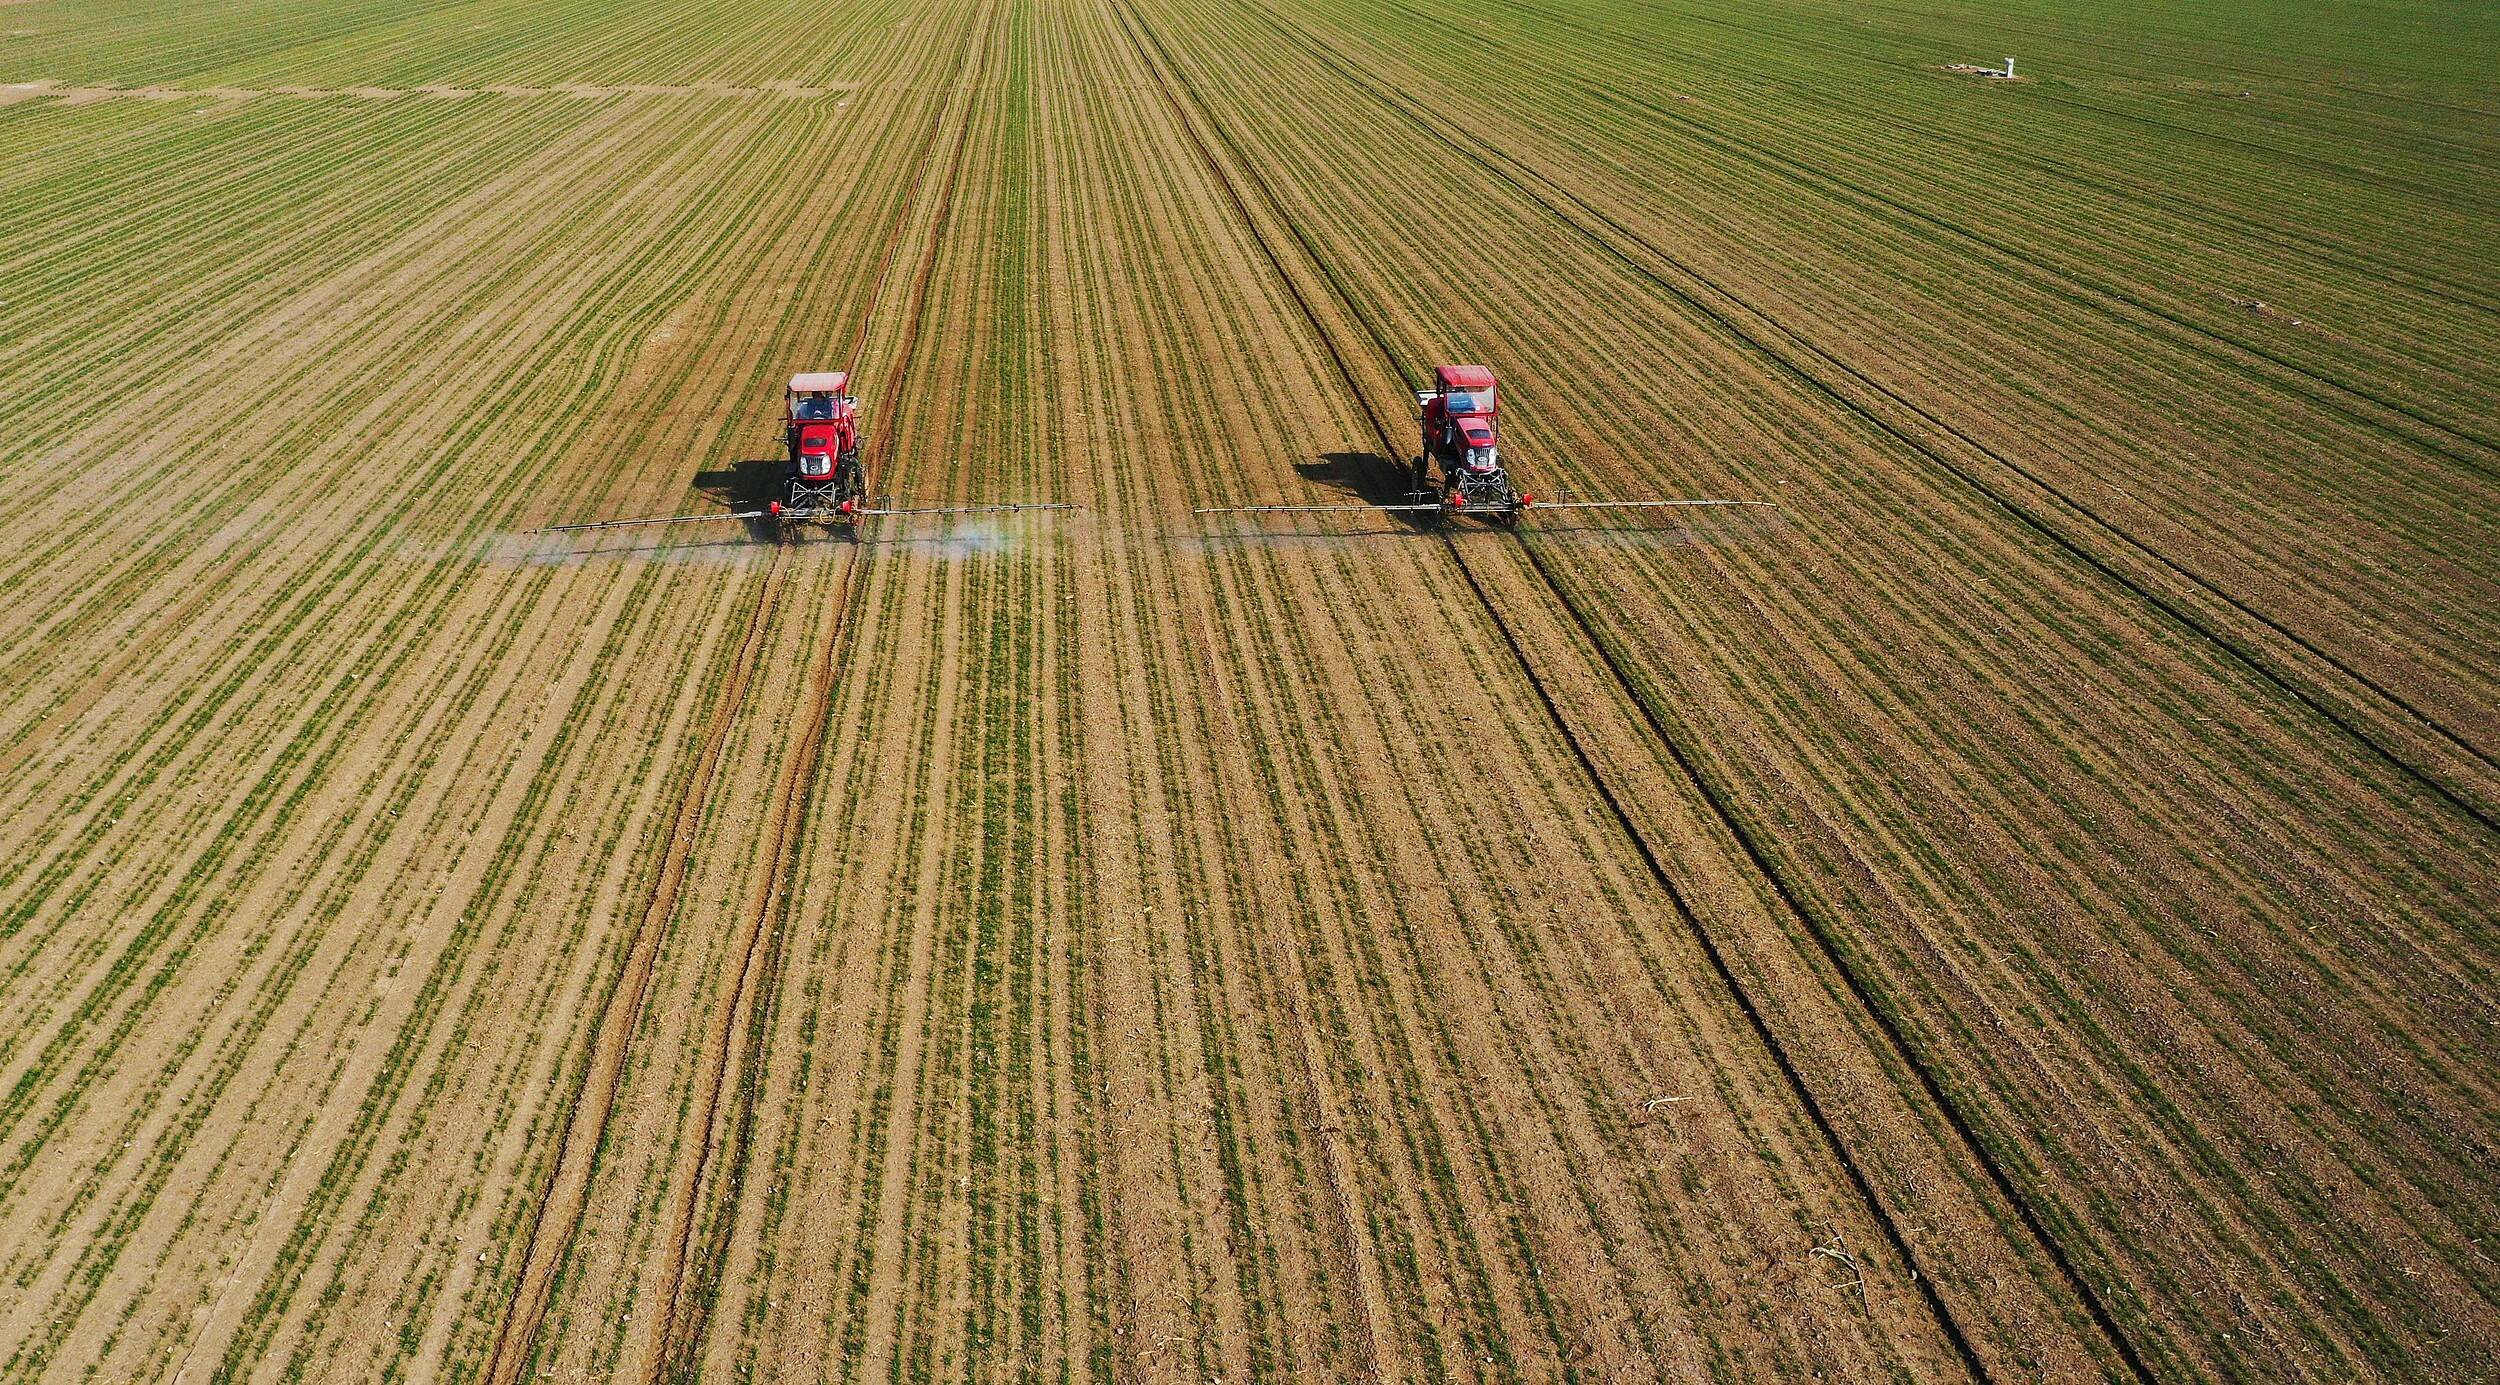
{"x":348,"y":723}
{"x":2085,"y":1295}
{"x":683,"y":1320}
{"x":360,"y":853}
{"x":1721,"y":801}
{"x":1407,"y":109}
{"x":1957,"y":1071}
{"x":687,"y":1318}
{"x":570,"y":1176}
{"x":616,"y":483}
{"x":578,"y":1147}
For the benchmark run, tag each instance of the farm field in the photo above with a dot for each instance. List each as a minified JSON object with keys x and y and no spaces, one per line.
{"x":2022,"y":909}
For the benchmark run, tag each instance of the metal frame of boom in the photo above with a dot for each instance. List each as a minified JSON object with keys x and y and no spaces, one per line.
{"x":1443,"y":507}
{"x":791,"y":514}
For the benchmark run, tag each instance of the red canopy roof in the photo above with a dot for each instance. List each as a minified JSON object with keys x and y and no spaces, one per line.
{"x":1463,"y":377}
{"x":820,"y":382}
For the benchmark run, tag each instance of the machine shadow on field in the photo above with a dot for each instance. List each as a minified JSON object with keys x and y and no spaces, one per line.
{"x":1349,"y":479}
{"x":750,"y":484}
{"x":1367,"y":477}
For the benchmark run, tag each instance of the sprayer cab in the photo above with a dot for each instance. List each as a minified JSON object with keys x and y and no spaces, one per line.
{"x":1461,"y":435}
{"x":821,"y":423}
